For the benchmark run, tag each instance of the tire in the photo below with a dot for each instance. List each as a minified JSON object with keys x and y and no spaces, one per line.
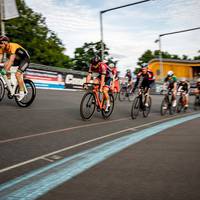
{"x":115,"y":94}
{"x":87,"y":106}
{"x":2,"y":89}
{"x":105,"y":114}
{"x":131,"y":97}
{"x":146,"y":110}
{"x":135,"y":108}
{"x":196,"y":105}
{"x":29,"y":97}
{"x":165,"y":103}
{"x":179,"y":107}
{"x":122,"y":94}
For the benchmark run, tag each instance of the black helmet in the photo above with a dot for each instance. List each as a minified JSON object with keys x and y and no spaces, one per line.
{"x":95,"y":60}
{"x":4,"y":38}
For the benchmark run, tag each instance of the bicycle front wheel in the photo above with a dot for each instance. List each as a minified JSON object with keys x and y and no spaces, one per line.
{"x":87,"y":107}
{"x":147,"y":109}
{"x":180,"y":106}
{"x":135,"y":108}
{"x":30,"y":94}
{"x":122,"y":94}
{"x":164,"y":107}
{"x":106,"y":114}
{"x":2,"y":89}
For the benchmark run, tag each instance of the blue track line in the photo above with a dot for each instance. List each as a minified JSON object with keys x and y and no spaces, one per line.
{"x":38,"y":182}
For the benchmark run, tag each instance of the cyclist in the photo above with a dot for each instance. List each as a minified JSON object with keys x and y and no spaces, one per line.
{"x":145,"y":79}
{"x":197,"y":90}
{"x":129,"y":76}
{"x":104,"y":77}
{"x":170,"y":82}
{"x":184,"y":86}
{"x":17,"y":56}
{"x":115,"y":77}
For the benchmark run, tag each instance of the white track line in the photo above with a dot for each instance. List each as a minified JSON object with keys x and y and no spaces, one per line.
{"x":86,"y":142}
{"x":60,"y":130}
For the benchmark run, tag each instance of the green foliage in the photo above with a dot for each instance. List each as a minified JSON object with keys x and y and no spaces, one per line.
{"x":83,"y":55}
{"x":32,"y":33}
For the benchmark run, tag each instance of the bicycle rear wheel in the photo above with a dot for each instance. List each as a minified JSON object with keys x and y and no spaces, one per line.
{"x":196,"y":105}
{"x":87,"y":106}
{"x":29,"y":96}
{"x":135,"y":108}
{"x":164,"y":107}
{"x":122,"y":94}
{"x":2,"y":89}
{"x":106,"y":114}
{"x":147,"y":109}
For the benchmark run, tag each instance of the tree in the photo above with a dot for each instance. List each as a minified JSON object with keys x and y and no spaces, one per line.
{"x":32,"y":33}
{"x":84,"y":54}
{"x":197,"y":57}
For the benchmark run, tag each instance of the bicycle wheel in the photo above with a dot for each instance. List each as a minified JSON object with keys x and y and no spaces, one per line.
{"x":147,"y":109}
{"x":180,"y":106}
{"x":131,"y":96}
{"x":2,"y":89}
{"x":122,"y":94}
{"x":88,"y":105}
{"x":135,"y":108}
{"x":29,"y":95}
{"x":164,"y":106}
{"x":106,"y":114}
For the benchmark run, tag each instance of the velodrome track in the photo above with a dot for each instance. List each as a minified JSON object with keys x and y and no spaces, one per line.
{"x":49,"y":153}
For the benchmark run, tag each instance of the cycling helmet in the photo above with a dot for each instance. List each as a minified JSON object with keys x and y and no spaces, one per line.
{"x":183,"y":80}
{"x":198,"y":80}
{"x":144,"y":65}
{"x":170,"y":73}
{"x":95,"y":60}
{"x":4,"y":38}
{"x":111,"y":65}
{"x":128,"y":70}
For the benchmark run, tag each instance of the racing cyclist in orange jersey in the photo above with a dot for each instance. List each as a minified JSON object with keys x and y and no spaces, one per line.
{"x":17,"y":56}
{"x":104,"y":77}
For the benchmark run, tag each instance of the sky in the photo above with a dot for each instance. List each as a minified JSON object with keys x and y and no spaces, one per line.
{"x":128,"y":32}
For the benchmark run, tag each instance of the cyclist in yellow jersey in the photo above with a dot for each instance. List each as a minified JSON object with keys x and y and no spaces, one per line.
{"x":16,"y":56}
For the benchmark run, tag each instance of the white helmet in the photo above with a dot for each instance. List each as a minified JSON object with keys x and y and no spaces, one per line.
{"x":170,"y":73}
{"x":183,"y":79}
{"x":198,"y":80}
{"x":111,"y":65}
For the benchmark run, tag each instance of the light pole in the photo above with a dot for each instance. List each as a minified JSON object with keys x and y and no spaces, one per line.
{"x":2,"y":17}
{"x":159,"y":43}
{"x":101,"y":21}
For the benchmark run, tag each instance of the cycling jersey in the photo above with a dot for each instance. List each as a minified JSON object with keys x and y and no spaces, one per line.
{"x":170,"y":81}
{"x":129,"y":76}
{"x":22,"y":58}
{"x":102,"y":69}
{"x":184,"y":87}
{"x":146,"y":79}
{"x":198,"y":85}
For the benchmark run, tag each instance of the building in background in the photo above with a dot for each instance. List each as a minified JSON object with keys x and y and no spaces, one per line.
{"x":181,"y":68}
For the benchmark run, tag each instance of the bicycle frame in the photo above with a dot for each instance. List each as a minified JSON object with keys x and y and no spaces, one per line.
{"x":98,"y":100}
{"x":11,"y":84}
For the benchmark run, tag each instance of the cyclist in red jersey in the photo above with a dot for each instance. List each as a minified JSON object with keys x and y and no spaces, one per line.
{"x":104,"y":77}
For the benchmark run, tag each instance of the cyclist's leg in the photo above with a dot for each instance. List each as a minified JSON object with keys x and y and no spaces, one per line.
{"x":106,"y":89}
{"x":186,"y":96}
{"x":146,"y":94}
{"x":174,"y":92}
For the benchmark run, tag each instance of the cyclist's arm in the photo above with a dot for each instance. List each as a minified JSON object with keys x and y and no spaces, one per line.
{"x":88,"y":78}
{"x":10,"y":62}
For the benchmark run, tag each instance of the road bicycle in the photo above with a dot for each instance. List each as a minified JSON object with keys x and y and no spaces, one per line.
{"x":139,"y":104}
{"x":196,"y":104}
{"x":94,"y":99}
{"x":126,"y":92}
{"x":166,"y":104}
{"x":12,"y":88}
{"x":181,"y":101}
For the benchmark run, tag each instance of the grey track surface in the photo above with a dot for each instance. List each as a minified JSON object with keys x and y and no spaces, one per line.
{"x":162,"y":167}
